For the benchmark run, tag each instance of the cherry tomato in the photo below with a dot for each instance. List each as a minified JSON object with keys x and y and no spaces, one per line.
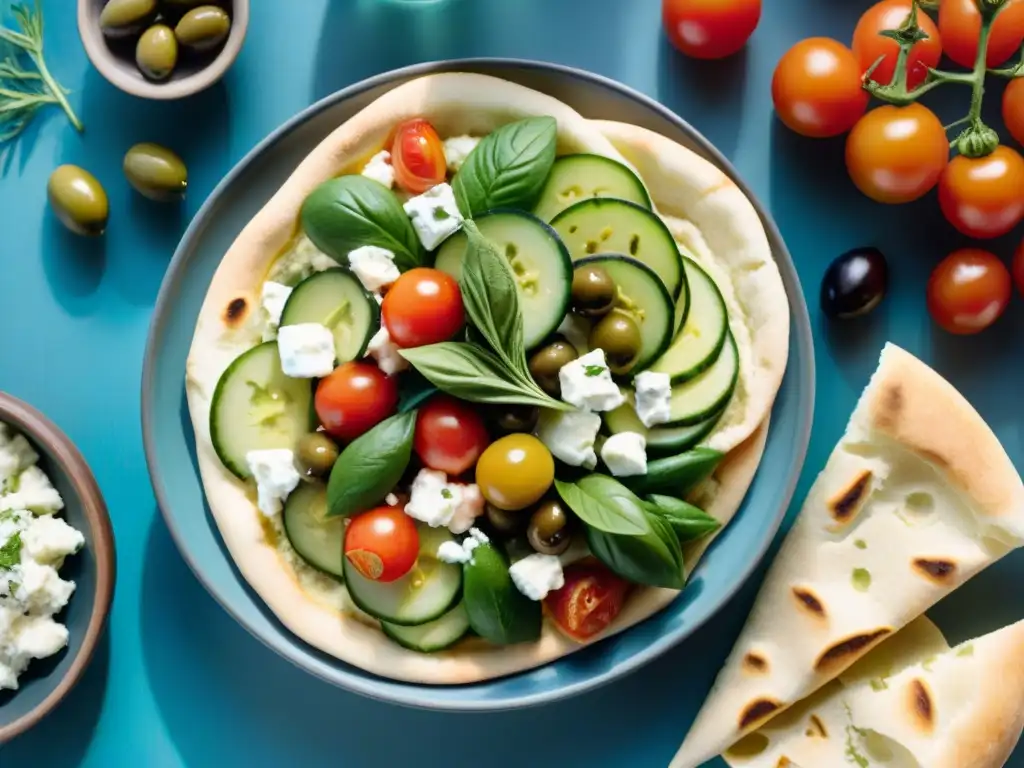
{"x":896,"y":154}
{"x":589,"y":601}
{"x":960,"y":25}
{"x":417,"y":155}
{"x":424,"y":306}
{"x":1013,"y":108}
{"x":710,"y":29}
{"x":968,"y":291}
{"x":354,"y":398}
{"x":869,"y":46}
{"x":450,"y":435}
{"x":817,"y":88}
{"x":984,"y":197}
{"x":382,"y":544}
{"x":515,"y":471}
{"x":1018,"y":267}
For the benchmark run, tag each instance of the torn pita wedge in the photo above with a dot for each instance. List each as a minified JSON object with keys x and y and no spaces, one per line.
{"x":918,"y":497}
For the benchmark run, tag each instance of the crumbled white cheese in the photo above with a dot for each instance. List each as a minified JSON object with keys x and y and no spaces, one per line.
{"x":379,"y":169}
{"x":570,"y":436}
{"x":16,"y":455}
{"x":275,"y":475}
{"x":469,"y":508}
{"x":306,"y":349}
{"x":374,"y":266}
{"x":436,"y":502}
{"x":49,"y":540}
{"x":385,"y":352}
{"x":587,"y":383}
{"x":273,"y":297}
{"x":461,"y":552}
{"x":301,"y":261}
{"x":536,"y":575}
{"x":40,"y":589}
{"x":653,"y":398}
{"x":434,"y":214}
{"x":625,"y":454}
{"x":457,"y":149}
{"x":35,"y":493}
{"x":391,"y":500}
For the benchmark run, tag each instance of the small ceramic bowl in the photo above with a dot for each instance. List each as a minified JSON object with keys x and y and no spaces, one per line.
{"x":47,"y":681}
{"x":116,"y":62}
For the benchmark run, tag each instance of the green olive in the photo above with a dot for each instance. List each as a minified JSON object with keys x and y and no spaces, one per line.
{"x":182,"y":5}
{"x":516,"y":418}
{"x":593,"y":291}
{"x":157,"y":52}
{"x":156,"y":172}
{"x":203,"y":28}
{"x":79,"y":200}
{"x":618,"y":334}
{"x":548,"y":531}
{"x":546,"y":362}
{"x":505,"y":522}
{"x":121,"y":18}
{"x":316,"y":454}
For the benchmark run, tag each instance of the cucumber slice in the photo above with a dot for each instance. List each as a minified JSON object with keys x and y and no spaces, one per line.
{"x":256,"y":407}
{"x":643,"y":296}
{"x":336,"y":299}
{"x":660,"y":440}
{"x":316,"y":537}
{"x":541,"y":265}
{"x":605,"y":225}
{"x":581,"y":177}
{"x":700,"y":342}
{"x":699,"y":398}
{"x":433,"y":636}
{"x":427,"y":592}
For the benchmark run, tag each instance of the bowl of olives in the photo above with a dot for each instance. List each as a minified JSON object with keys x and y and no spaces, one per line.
{"x":162,"y":49}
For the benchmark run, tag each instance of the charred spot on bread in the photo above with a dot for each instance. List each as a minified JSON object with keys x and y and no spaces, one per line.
{"x":845,"y":505}
{"x":784,"y":762}
{"x":890,"y":406}
{"x":809,"y":601}
{"x":235,"y":312}
{"x":921,"y":707}
{"x":840,"y":655}
{"x":817,"y":728}
{"x":755,"y":662}
{"x":757,"y":711}
{"x":939,"y":570}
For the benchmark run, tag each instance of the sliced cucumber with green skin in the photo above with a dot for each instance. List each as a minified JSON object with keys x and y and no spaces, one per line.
{"x":660,"y":440}
{"x":256,"y":407}
{"x":581,"y":177}
{"x":701,"y":397}
{"x":426,"y":593}
{"x":433,"y":636}
{"x":337,"y":300}
{"x":604,"y":225}
{"x":644,"y":297}
{"x":698,"y":345}
{"x":539,"y":261}
{"x":317,"y":538}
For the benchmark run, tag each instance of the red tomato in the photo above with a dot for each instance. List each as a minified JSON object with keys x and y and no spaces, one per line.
{"x":382,"y":544}
{"x":589,"y":601}
{"x":984,"y":197}
{"x":417,"y":155}
{"x":960,"y":25}
{"x":710,"y":29}
{"x":896,"y":154}
{"x":968,"y":291}
{"x":1013,"y":108}
{"x":1018,"y":267}
{"x":354,"y":398}
{"x":817,"y":88}
{"x":869,"y":46}
{"x":450,"y":435}
{"x":424,"y":306}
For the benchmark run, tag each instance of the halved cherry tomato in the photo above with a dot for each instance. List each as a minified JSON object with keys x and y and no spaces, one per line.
{"x":896,"y":154}
{"x":710,"y":29}
{"x":968,"y":291}
{"x":450,"y":434}
{"x":382,"y":544}
{"x":870,"y":46}
{"x":1018,"y":267}
{"x":1013,"y":108}
{"x":424,"y":306}
{"x":984,"y":197}
{"x":817,"y":88}
{"x":960,"y":26}
{"x":354,"y":398}
{"x":589,"y":601}
{"x":417,"y":155}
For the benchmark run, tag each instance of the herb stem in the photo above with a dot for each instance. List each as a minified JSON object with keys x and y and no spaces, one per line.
{"x":56,"y":91}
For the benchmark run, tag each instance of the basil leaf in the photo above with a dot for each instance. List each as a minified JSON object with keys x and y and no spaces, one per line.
{"x":676,"y":475}
{"x":10,"y":552}
{"x":509,"y":168}
{"x":654,"y":559}
{"x":352,"y":211}
{"x":688,"y":522}
{"x":497,"y":611}
{"x":370,"y":466}
{"x":413,"y":391}
{"x":609,"y":514}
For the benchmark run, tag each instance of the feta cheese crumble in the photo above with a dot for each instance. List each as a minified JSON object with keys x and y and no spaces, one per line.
{"x":461,"y":552}
{"x":436,"y":502}
{"x":536,"y":575}
{"x":374,"y":266}
{"x":587,"y":383}
{"x":653,"y":398}
{"x":379,"y":169}
{"x":570,"y":436}
{"x":273,"y":297}
{"x":434,"y":214}
{"x":457,"y":149}
{"x":625,"y":454}
{"x":16,"y":455}
{"x":306,"y":349}
{"x":275,"y":475}
{"x":385,"y":352}
{"x":33,"y":491}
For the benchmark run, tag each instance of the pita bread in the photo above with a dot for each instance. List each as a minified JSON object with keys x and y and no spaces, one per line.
{"x":917,"y":498}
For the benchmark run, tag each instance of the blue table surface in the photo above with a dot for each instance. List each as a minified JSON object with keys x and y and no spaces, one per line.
{"x":176,"y":682}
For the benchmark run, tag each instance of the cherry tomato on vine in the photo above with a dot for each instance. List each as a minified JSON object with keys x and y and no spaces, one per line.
{"x":817,"y":88}
{"x":960,"y":26}
{"x":1018,"y":267}
{"x":417,"y":155}
{"x":896,"y":154}
{"x":450,"y":434}
{"x":968,"y":291}
{"x":869,"y":45}
{"x":382,"y":544}
{"x":588,"y":602}
{"x":424,"y":306}
{"x":984,"y":197}
{"x":1013,"y":108}
{"x":710,"y":29}
{"x":354,"y":398}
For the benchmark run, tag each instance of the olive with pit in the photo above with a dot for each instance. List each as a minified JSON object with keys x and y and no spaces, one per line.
{"x":203,"y":28}
{"x":546,"y":362}
{"x":549,"y":532}
{"x":156,"y":172}
{"x":505,"y":522}
{"x":619,"y":336}
{"x":516,"y":418}
{"x":316,"y":454}
{"x":593,"y":291}
{"x":79,"y":200}
{"x":122,"y":18}
{"x":157,"y":52}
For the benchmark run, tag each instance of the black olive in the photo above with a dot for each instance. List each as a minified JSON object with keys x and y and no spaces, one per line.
{"x":515,"y":418}
{"x":854,"y":284}
{"x":505,"y":522}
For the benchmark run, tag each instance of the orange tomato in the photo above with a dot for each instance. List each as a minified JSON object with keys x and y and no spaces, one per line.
{"x":417,"y":155}
{"x":984,"y":197}
{"x":960,"y":26}
{"x":382,"y":544}
{"x":424,"y":306}
{"x":589,"y":601}
{"x":968,"y":291}
{"x":869,"y":46}
{"x":1013,"y":108}
{"x":710,"y":29}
